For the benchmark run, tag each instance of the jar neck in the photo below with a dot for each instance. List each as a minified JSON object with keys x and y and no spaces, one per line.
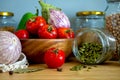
{"x":113,"y":7}
{"x":5,"y":17}
{"x":91,"y":16}
{"x":92,"y":21}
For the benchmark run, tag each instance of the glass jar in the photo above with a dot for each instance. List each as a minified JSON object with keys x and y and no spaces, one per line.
{"x":6,"y":21}
{"x":90,"y":19}
{"x":113,"y":22}
{"x":93,"y":46}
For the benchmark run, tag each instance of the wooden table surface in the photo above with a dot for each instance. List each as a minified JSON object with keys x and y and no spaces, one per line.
{"x":110,"y":70}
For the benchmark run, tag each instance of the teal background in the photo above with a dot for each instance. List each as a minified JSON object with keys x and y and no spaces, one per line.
{"x":70,"y":7}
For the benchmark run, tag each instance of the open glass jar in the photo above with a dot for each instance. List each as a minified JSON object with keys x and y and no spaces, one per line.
{"x":93,"y":46}
{"x":113,"y":22}
{"x":6,"y":21}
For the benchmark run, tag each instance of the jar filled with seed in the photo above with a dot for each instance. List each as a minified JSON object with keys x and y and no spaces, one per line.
{"x":93,"y":46}
{"x":90,"y":19}
{"x":113,"y":22}
{"x":7,"y":23}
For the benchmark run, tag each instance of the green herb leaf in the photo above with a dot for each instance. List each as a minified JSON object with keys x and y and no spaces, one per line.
{"x":27,"y":70}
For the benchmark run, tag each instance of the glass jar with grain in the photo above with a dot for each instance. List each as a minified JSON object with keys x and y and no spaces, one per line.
{"x":7,"y":23}
{"x":93,"y":46}
{"x":113,"y":22}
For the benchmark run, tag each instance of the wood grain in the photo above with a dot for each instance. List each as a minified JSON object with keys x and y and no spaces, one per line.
{"x":34,"y":49}
{"x":107,"y":71}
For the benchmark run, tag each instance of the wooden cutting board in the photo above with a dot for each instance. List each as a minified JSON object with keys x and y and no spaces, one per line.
{"x":110,"y":70}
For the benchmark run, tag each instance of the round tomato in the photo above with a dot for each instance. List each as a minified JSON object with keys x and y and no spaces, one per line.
{"x":65,"y":32}
{"x":47,"y":32}
{"x":22,"y":34}
{"x":54,"y":57}
{"x":33,"y":24}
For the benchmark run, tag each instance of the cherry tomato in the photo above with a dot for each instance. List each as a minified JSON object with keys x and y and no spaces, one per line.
{"x":54,"y":57}
{"x":65,"y":32}
{"x":22,"y":34}
{"x":47,"y":32}
{"x":33,"y":24}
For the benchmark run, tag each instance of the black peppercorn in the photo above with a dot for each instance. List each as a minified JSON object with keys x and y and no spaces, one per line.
{"x":59,"y":69}
{"x":10,"y":72}
{"x":1,"y":71}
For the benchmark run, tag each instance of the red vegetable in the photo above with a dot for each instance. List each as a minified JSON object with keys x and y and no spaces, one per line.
{"x":47,"y":32}
{"x":54,"y":57}
{"x":65,"y":33}
{"x":22,"y":34}
{"x":33,"y":24}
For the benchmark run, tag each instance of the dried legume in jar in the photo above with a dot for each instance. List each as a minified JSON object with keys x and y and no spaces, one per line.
{"x":113,"y":25}
{"x":90,"y":52}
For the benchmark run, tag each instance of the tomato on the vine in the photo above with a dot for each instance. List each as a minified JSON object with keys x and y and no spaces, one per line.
{"x":54,"y":57}
{"x":33,"y":24}
{"x":47,"y":32}
{"x":65,"y":32}
{"x":22,"y":34}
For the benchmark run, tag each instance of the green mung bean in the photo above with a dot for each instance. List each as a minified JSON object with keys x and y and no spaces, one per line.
{"x":81,"y":67}
{"x":89,"y":52}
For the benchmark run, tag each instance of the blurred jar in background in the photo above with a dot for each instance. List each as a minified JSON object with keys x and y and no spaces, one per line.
{"x":6,"y":21}
{"x":89,"y":19}
{"x":113,"y":22}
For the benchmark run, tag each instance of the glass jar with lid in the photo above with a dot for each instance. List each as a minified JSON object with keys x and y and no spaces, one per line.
{"x":90,"y":19}
{"x":113,"y":22}
{"x":7,"y":23}
{"x":93,"y":46}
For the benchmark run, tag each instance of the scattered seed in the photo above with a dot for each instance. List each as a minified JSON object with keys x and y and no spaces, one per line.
{"x":10,"y":72}
{"x":59,"y":69}
{"x":82,"y":66}
{"x":89,"y":67}
{"x":1,"y":71}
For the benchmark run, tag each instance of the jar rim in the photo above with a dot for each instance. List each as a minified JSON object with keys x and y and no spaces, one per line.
{"x":87,"y":13}
{"x":113,"y":0}
{"x":6,"y":14}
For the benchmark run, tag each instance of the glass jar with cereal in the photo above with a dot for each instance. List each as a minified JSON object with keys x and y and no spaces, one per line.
{"x":113,"y":22}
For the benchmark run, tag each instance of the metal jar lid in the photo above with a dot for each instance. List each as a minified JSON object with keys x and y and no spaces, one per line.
{"x":6,"y":14}
{"x":87,"y":13}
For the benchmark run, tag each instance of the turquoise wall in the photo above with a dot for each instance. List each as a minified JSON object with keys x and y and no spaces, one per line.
{"x":70,"y":7}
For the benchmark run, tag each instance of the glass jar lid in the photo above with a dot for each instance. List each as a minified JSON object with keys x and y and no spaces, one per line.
{"x":6,"y":14}
{"x":87,"y":13}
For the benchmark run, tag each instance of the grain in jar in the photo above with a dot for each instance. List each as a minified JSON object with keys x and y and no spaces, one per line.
{"x":113,"y":22}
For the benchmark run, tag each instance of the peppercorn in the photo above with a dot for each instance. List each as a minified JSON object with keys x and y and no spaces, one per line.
{"x":1,"y":71}
{"x":59,"y":69}
{"x":10,"y":72}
